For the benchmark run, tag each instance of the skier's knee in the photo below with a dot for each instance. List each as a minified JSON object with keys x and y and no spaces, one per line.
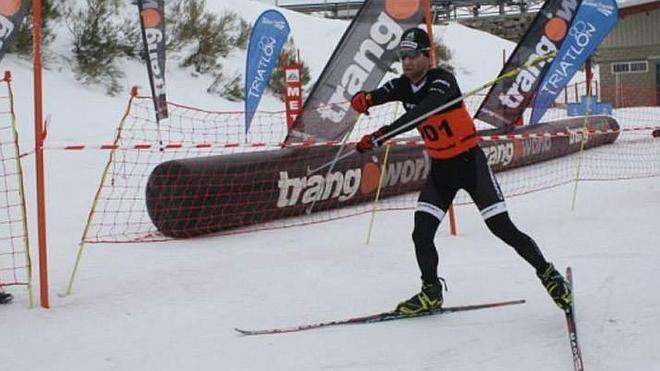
{"x":502,"y":226}
{"x":421,"y":237}
{"x":425,"y":227}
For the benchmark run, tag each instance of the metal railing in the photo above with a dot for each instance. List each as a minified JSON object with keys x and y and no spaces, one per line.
{"x":443,"y":9}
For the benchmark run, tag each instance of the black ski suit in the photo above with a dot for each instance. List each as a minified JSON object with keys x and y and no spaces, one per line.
{"x":457,"y":162}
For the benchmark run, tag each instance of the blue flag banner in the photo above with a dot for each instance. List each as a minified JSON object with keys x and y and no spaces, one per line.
{"x":593,"y":21}
{"x":268,"y":36}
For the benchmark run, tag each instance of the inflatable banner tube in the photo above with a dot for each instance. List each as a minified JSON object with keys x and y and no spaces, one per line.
{"x":196,"y":196}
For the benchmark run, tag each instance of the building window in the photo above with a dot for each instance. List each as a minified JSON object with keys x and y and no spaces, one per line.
{"x":630,"y":67}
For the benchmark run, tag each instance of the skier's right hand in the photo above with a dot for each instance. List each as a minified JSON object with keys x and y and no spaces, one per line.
{"x":361,"y":102}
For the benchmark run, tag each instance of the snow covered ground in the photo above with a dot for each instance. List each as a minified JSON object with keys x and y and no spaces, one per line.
{"x":173,"y":306}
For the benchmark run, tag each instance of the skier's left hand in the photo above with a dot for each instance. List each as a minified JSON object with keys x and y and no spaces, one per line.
{"x":365,"y":144}
{"x":370,"y":141}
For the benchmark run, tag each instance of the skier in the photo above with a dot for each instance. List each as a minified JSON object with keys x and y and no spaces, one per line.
{"x":457,"y":162}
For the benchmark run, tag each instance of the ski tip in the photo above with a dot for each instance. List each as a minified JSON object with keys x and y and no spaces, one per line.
{"x":241,"y":331}
{"x":514,"y":302}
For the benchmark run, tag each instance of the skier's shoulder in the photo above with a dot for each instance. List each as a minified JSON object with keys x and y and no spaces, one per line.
{"x":399,"y":80}
{"x":395,"y":84}
{"x":441,"y":76}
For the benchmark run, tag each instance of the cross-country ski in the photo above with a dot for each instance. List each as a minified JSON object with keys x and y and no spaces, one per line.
{"x":576,"y":353}
{"x":380,"y":317}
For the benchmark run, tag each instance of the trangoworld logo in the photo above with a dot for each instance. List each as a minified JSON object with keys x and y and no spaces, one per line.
{"x":152,"y":19}
{"x":384,"y":34}
{"x":151,"y":16}
{"x":8,"y":9}
{"x":579,"y":39}
{"x":555,"y":30}
{"x":504,"y":153}
{"x":344,"y":185}
{"x":499,"y":154}
{"x":534,"y":146}
{"x":401,"y":9}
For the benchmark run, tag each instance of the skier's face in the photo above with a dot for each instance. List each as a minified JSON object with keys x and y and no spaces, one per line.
{"x":415,"y":65}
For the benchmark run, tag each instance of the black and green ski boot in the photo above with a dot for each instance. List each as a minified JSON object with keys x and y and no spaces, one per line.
{"x":557,"y":287}
{"x":428,"y":299}
{"x":5,"y":297}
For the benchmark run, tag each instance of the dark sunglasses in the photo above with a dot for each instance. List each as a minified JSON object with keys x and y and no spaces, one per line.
{"x":411,"y":53}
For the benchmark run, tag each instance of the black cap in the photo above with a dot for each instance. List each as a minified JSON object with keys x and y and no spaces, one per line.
{"x":414,"y":38}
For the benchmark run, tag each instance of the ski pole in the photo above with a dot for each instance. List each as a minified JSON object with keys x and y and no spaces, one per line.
{"x":584,"y":138}
{"x":380,"y":184}
{"x":432,"y":112}
{"x":377,"y":197}
{"x":308,"y":210}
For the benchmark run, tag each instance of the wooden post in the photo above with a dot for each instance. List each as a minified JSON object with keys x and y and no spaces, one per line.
{"x":589,"y":73}
{"x":39,"y":136}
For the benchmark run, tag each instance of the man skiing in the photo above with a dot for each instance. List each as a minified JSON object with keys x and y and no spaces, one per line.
{"x":457,"y":162}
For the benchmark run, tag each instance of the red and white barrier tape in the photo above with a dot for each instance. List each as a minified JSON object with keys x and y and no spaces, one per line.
{"x":174,"y":146}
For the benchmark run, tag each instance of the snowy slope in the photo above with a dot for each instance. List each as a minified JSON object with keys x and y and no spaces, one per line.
{"x":172,"y":306}
{"x":315,"y":37}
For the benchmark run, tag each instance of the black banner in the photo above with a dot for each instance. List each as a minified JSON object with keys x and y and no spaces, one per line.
{"x":191,"y":197}
{"x":11,"y":16}
{"x":363,"y":56}
{"x":152,"y":22}
{"x":507,"y":100}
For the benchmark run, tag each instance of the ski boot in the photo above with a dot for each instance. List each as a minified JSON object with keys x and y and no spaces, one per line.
{"x":428,"y":299}
{"x":5,"y":297}
{"x":556,"y":286}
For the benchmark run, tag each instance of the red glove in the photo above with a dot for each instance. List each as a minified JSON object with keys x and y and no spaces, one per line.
{"x":365,"y":144}
{"x":370,"y":141}
{"x":361,"y":102}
